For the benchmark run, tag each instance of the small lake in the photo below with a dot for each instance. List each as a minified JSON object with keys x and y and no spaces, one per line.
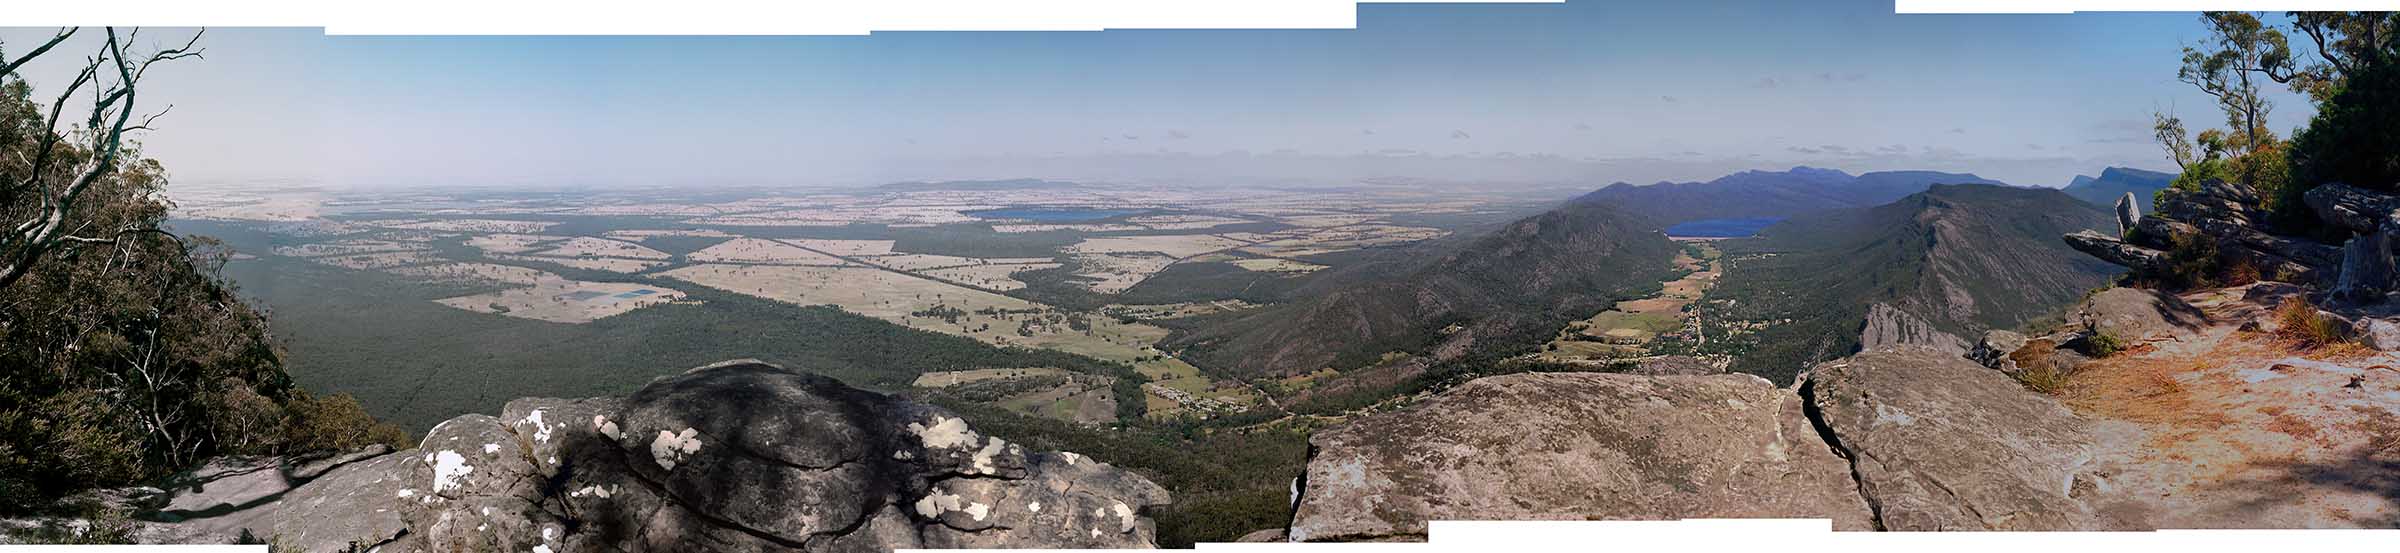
{"x":1053,"y":214}
{"x":1721,"y":228}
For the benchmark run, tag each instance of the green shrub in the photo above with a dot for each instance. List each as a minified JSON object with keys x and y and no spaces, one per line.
{"x":2355,"y":136}
{"x":2101,"y":344}
{"x":334,"y":423}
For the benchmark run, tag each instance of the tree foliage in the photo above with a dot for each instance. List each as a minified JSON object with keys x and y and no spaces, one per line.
{"x":123,"y":356}
{"x":2354,"y":137}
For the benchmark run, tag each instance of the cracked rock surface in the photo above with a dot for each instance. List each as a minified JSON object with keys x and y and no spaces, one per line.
{"x":1940,"y":443}
{"x":1573,"y":446}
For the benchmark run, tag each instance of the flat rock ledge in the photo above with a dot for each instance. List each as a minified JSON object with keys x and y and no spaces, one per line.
{"x":1573,"y":446}
{"x":736,"y":456}
{"x":1905,"y":438}
{"x":1937,"y":442}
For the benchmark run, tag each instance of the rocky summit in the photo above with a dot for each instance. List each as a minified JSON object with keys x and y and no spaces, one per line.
{"x":736,"y":456}
{"x":1576,"y":446}
{"x":2205,"y":418}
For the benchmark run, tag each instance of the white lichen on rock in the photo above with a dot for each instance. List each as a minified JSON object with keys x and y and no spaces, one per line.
{"x":983,"y":457}
{"x":671,"y":448}
{"x":936,"y":503}
{"x":946,"y":432}
{"x":605,"y":427}
{"x":448,"y":468}
{"x":541,"y":433}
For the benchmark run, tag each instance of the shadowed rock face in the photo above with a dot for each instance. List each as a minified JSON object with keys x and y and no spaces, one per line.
{"x":1575,"y":446}
{"x":1940,"y":443}
{"x":739,"y":456}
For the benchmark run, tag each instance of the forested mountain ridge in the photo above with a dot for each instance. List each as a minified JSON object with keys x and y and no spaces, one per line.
{"x":1526,"y":277}
{"x":1955,"y":260}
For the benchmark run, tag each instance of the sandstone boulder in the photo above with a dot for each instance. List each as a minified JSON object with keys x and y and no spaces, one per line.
{"x":1939,"y":443}
{"x":1575,"y":446}
{"x":2133,"y":315}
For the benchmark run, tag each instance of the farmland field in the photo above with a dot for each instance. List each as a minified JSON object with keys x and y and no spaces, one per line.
{"x":1037,"y":272}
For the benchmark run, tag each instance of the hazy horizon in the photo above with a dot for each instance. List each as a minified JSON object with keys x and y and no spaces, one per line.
{"x":1576,"y":94}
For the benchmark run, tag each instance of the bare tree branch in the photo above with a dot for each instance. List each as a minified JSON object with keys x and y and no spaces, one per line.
{"x":12,"y":66}
{"x":110,"y":118}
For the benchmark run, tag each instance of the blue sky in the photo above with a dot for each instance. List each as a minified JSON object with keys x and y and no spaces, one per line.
{"x":1579,"y":92}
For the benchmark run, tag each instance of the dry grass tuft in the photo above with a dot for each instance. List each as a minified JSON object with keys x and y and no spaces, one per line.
{"x":2241,"y":273}
{"x":2035,"y":368}
{"x":2301,"y":324}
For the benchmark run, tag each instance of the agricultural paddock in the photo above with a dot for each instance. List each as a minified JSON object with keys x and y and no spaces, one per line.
{"x":566,"y":301}
{"x":586,"y":246}
{"x":762,"y":251}
{"x":945,"y":379}
{"x":844,"y":248}
{"x":990,"y":277}
{"x":610,"y":264}
{"x":510,"y":243}
{"x":1276,"y":265}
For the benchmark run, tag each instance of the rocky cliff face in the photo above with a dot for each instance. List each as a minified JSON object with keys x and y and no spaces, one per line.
{"x":737,"y":456}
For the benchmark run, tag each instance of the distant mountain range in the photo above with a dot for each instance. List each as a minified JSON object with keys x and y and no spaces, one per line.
{"x":1936,"y":268}
{"x":2114,"y":182}
{"x":1756,"y":194}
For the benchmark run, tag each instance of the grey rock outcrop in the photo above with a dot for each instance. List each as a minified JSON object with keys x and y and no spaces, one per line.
{"x":1939,"y":443}
{"x":2134,"y":315}
{"x":2351,"y":207}
{"x":1888,"y":326}
{"x":2114,"y":250}
{"x":2367,"y":270}
{"x":1993,"y":350}
{"x":2129,"y":213}
{"x":1575,"y":446}
{"x":2226,"y":215}
{"x":2380,"y":334}
{"x":737,"y":456}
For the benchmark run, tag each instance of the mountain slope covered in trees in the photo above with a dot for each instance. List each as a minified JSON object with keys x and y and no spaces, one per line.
{"x":1959,"y":259}
{"x":1498,"y":290}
